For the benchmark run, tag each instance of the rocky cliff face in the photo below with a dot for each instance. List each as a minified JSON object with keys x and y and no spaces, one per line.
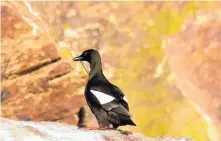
{"x":195,"y":58}
{"x":52,"y":131}
{"x":37,"y":83}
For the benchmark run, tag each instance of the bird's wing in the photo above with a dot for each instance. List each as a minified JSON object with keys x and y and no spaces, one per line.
{"x":107,"y":99}
{"x":118,"y":93}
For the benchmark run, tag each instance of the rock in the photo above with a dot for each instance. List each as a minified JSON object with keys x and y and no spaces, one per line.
{"x":52,"y":131}
{"x":40,"y":84}
{"x":195,"y":58}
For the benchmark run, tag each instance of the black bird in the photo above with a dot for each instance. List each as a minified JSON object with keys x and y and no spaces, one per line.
{"x":106,"y":101}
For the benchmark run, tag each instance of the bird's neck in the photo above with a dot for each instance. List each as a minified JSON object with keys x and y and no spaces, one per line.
{"x":95,"y":69}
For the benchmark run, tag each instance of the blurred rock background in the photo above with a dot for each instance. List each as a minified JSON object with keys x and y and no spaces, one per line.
{"x":172,"y":84}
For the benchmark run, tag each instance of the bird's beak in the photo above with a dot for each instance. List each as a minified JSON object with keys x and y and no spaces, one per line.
{"x":79,"y":58}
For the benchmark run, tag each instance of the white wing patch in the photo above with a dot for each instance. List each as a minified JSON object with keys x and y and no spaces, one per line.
{"x":125,"y":99}
{"x":102,"y":97}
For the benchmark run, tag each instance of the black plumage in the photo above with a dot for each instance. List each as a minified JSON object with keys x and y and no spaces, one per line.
{"x":106,"y":101}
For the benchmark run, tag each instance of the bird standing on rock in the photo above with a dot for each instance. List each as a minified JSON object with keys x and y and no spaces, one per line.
{"x":106,"y":101}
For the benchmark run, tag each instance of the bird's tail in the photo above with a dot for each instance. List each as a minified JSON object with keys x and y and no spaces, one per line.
{"x":130,"y":122}
{"x":120,"y":119}
{"x":126,"y":120}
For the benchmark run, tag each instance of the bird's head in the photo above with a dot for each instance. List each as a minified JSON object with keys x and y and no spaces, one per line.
{"x":89,"y":56}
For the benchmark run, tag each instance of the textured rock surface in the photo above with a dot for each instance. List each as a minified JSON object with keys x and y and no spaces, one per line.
{"x":51,"y":131}
{"x":37,"y":83}
{"x":195,"y":58}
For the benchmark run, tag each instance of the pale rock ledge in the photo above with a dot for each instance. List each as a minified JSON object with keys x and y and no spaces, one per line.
{"x":12,"y":130}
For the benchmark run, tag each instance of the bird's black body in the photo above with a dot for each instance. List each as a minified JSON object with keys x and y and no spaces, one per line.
{"x":105,"y":100}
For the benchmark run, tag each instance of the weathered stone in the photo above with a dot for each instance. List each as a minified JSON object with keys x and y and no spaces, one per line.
{"x":195,"y":58}
{"x":26,"y":59}
{"x":49,"y":131}
{"x":11,"y":18}
{"x":50,"y":90}
{"x":40,"y":84}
